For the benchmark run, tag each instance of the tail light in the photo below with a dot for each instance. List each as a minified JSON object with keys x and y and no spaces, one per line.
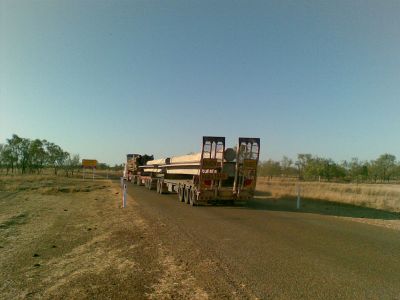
{"x":207,"y":182}
{"x":247,"y":182}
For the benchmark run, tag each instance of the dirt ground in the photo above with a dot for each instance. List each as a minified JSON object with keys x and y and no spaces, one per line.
{"x":68,"y":238}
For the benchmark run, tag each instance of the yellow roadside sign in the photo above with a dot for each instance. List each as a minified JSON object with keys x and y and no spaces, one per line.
{"x":89,"y":163}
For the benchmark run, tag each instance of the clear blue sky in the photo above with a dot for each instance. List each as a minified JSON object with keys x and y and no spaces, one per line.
{"x":106,"y":78}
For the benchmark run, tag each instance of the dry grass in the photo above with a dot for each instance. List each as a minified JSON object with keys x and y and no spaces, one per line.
{"x":377,"y":196}
{"x":47,"y":184}
{"x":49,"y":173}
{"x":66,"y":238}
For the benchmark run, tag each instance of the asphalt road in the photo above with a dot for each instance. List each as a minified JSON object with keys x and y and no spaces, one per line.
{"x":250,"y":252}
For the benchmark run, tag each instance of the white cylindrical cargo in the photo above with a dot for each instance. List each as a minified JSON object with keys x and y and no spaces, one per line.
{"x":152,"y":170}
{"x":195,"y":158}
{"x":185,"y":159}
{"x":161,"y":161}
{"x":190,"y":158}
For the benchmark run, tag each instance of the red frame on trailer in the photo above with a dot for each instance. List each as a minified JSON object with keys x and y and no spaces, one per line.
{"x":247,"y":157}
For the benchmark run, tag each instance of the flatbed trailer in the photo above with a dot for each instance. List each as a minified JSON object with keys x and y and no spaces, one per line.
{"x":216,"y":174}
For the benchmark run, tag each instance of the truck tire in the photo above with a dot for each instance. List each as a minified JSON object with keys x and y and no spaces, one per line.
{"x":193,"y":197}
{"x":161,"y":187}
{"x":181,"y":193}
{"x":187,"y":195}
{"x":158,"y":186}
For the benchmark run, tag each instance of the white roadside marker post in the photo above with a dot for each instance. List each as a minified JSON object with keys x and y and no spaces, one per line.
{"x":124,"y":197}
{"x":298,"y":196}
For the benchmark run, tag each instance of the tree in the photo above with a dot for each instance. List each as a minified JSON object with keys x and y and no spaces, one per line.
{"x":102,"y":166}
{"x":37,"y":155}
{"x":1,"y":157}
{"x":7,"y":158}
{"x":118,"y":167}
{"x":71,"y":164}
{"x":12,"y":155}
{"x":270,"y":168}
{"x":331,"y":170}
{"x":287,"y":166}
{"x":33,"y":155}
{"x":301,"y":163}
{"x":23,"y":154}
{"x":356,"y":170}
{"x":385,"y":166}
{"x":397,"y":171}
{"x":56,"y":157}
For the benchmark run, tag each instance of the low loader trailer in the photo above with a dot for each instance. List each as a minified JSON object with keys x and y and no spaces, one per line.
{"x":216,"y":174}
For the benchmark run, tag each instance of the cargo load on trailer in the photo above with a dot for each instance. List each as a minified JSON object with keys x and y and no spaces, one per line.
{"x":133,"y":161}
{"x":216,"y":173}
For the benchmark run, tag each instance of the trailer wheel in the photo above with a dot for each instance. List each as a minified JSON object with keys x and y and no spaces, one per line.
{"x":187,"y":195}
{"x":158,"y":186}
{"x":162,"y":187}
{"x":181,"y":194}
{"x":193,"y":197}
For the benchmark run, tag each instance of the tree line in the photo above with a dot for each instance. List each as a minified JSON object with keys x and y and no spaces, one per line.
{"x":308,"y":167}
{"x":24,"y":155}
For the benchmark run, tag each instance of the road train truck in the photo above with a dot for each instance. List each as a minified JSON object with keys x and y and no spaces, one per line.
{"x":216,"y":174}
{"x":133,"y":161}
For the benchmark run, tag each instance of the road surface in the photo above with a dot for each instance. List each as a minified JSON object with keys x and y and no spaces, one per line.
{"x":251,"y":252}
